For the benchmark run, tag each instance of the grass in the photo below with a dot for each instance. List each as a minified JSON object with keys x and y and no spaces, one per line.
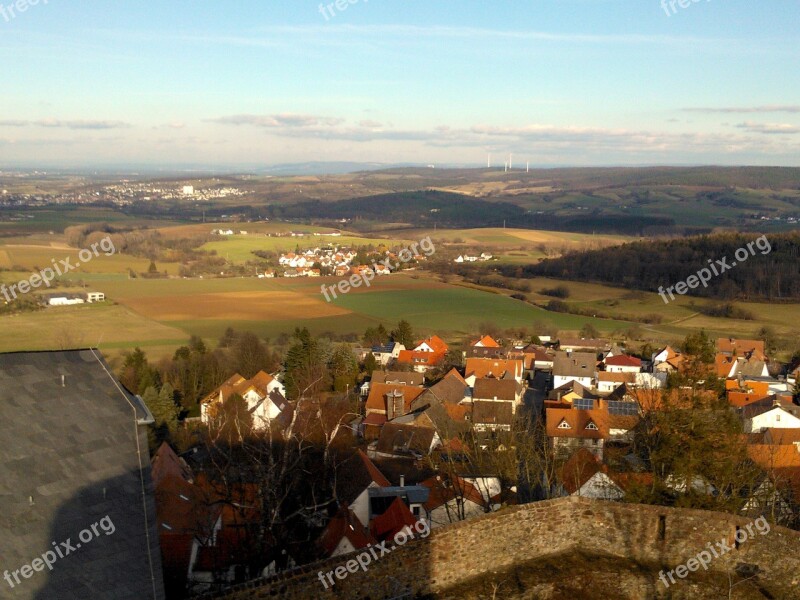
{"x":106,"y":325}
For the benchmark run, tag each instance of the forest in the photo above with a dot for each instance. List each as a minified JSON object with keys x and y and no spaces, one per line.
{"x":772,"y":275}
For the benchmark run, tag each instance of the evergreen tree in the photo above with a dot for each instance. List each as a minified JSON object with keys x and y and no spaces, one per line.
{"x":344,"y":368}
{"x":403,"y":334}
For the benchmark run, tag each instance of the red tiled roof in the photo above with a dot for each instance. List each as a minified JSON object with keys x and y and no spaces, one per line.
{"x":623,"y":360}
{"x":486,"y":342}
{"x":578,"y":420}
{"x":414,"y":357}
{"x":395,"y":519}
{"x":442,"y":492}
{"x":373,"y":471}
{"x":497,"y":368}
{"x":345,"y":524}
{"x":579,"y":469}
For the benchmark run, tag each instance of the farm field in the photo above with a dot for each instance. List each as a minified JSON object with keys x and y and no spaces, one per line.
{"x":110,"y":327}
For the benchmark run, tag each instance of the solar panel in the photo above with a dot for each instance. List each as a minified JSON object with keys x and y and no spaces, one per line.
{"x":583,"y":404}
{"x":620,"y":407}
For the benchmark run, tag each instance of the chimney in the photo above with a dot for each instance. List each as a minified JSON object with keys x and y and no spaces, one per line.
{"x":63,"y":381}
{"x":402,"y":481}
{"x":395,"y":404}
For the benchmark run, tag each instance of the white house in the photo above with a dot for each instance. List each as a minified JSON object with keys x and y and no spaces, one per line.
{"x":574,"y":366}
{"x":265,"y":397}
{"x":623,"y":364}
{"x":776,"y":417}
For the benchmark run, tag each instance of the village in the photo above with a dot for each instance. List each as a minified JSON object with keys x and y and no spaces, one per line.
{"x":437,"y":451}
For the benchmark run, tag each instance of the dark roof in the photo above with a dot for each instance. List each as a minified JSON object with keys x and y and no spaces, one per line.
{"x":74,"y":453}
{"x":385,"y":349}
{"x":492,"y":413}
{"x":398,"y":377}
{"x":405,"y":439}
{"x":490,"y":389}
{"x":451,"y":389}
{"x":575,"y":364}
{"x":354,"y":475}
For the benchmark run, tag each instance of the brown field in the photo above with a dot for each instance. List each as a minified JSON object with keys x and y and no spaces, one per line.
{"x":234,"y":306}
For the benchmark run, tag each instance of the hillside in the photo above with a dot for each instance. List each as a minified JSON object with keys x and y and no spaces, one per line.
{"x":770,"y":270}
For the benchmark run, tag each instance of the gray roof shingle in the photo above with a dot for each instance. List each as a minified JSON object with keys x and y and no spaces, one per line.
{"x":73,"y":451}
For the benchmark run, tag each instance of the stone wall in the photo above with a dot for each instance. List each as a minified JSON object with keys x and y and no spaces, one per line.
{"x":569,"y":543}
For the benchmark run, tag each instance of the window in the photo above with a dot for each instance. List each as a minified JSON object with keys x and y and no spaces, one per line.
{"x":564,"y":425}
{"x":591,"y":426}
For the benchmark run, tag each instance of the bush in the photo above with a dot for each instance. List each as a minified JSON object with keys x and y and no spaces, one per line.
{"x":557,"y":306}
{"x":560,"y":291}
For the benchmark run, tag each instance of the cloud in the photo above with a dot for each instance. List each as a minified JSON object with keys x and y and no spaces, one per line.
{"x":770,"y":108}
{"x":59,"y":124}
{"x":472,"y":33}
{"x":279,"y":121}
{"x":525,"y":139}
{"x":769,"y":128}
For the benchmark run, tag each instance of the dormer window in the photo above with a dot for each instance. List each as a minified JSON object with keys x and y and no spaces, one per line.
{"x":564,"y":425}
{"x":591,"y":426}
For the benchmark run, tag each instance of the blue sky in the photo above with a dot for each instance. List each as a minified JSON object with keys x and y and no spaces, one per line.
{"x":555,"y":82}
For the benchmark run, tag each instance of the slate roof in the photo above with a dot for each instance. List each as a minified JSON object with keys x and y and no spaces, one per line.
{"x":74,"y":452}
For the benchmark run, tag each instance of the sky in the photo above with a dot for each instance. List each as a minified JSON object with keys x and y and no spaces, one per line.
{"x":88,"y":83}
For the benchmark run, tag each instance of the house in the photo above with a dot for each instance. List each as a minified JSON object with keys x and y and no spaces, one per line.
{"x":667,"y":360}
{"x":741,"y":357}
{"x":394,"y":519}
{"x":452,"y":500}
{"x":410,"y":436}
{"x":574,"y":366}
{"x":344,"y":534}
{"x":426,"y":355}
{"x":570,"y":429}
{"x":411,"y":378}
{"x":622,"y":363}
{"x":387,"y":401}
{"x":494,"y":403}
{"x":486,"y":341}
{"x":186,"y":518}
{"x":354,"y":478}
{"x":664,"y":354}
{"x":65,"y":300}
{"x":381,"y":499}
{"x":265,"y":397}
{"x":586,"y":475}
{"x":609,"y":381}
{"x":769,"y":414}
{"x":570,"y":393}
{"x":744,"y":348}
{"x":485,"y":347}
{"x":386,"y":353}
{"x":449,"y":405}
{"x":92,"y":297}
{"x":482,"y":368}
{"x":73,"y":439}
